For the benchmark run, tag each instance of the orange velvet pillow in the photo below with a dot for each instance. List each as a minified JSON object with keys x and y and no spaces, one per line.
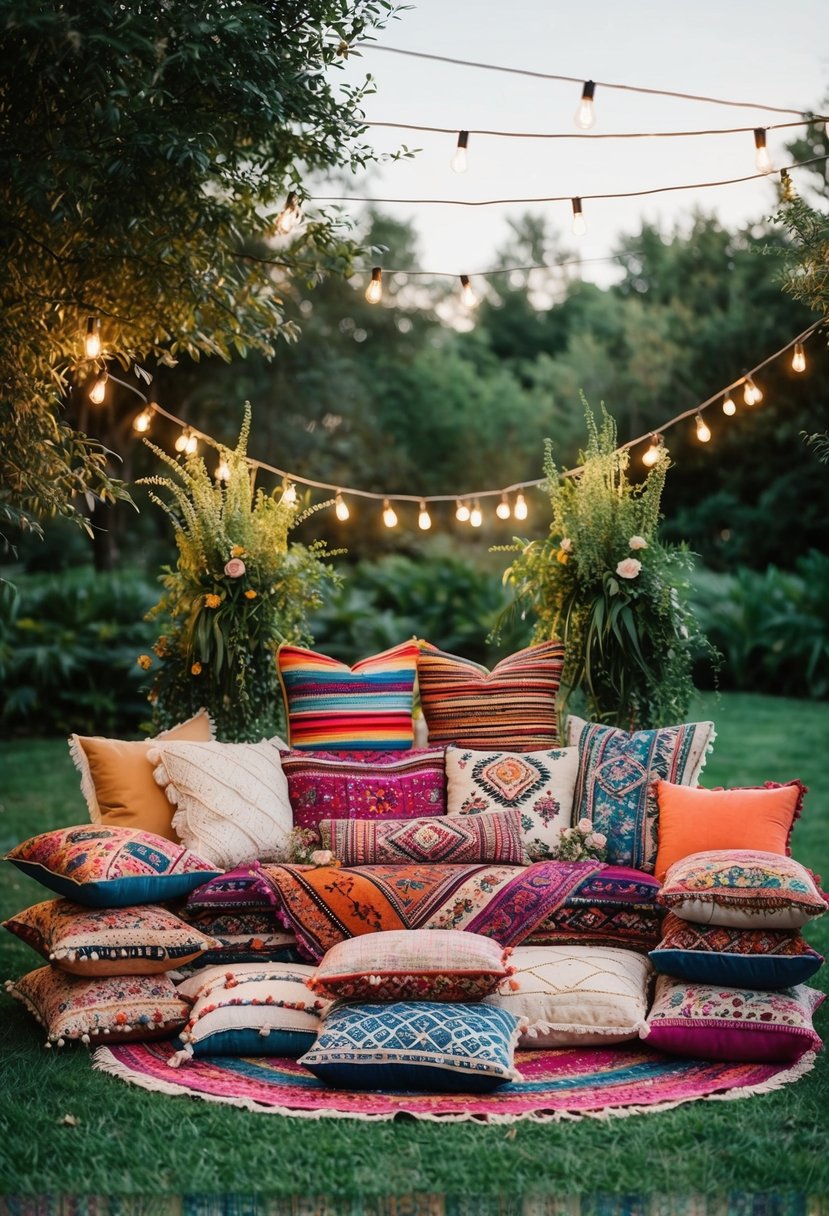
{"x":117,"y":778}
{"x":693,"y":820}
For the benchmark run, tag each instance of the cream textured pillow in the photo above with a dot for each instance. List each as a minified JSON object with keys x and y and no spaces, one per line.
{"x":231,"y":799}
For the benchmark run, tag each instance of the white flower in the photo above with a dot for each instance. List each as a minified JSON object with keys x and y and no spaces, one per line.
{"x":566,"y":545}
{"x":584,"y":825}
{"x":638,"y":542}
{"x":629,"y":568}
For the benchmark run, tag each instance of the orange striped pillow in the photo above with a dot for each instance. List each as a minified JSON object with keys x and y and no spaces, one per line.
{"x":511,"y":708}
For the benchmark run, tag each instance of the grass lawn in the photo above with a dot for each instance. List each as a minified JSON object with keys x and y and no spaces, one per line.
{"x":131,"y":1142}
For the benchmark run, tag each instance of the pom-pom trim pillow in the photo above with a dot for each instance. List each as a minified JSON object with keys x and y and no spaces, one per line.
{"x":742,"y":958}
{"x":412,"y":965}
{"x":439,"y":839}
{"x":243,"y":937}
{"x":742,"y":887}
{"x":365,"y":707}
{"x":512,"y":707}
{"x":109,"y":867}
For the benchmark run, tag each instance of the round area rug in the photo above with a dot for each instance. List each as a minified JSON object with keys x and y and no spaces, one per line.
{"x":567,"y":1084}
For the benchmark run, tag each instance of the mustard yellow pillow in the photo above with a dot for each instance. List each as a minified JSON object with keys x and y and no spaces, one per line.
{"x":117,"y":778}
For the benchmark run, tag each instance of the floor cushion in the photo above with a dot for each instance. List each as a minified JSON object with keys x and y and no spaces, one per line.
{"x":736,"y":957}
{"x":742,"y":887}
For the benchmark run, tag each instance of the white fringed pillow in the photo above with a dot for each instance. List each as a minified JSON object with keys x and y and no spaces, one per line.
{"x":231,"y":799}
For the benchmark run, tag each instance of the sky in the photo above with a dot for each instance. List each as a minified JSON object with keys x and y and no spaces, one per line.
{"x":743,"y":50}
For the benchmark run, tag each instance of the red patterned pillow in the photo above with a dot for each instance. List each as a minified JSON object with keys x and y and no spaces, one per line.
{"x":494,"y":836}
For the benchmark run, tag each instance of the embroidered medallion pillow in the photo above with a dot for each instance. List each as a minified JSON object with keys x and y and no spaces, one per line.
{"x":696,"y":820}
{"x":108,"y":867}
{"x":117,"y":778}
{"x":140,"y":940}
{"x":244,"y":887}
{"x":412,"y":965}
{"x":365,"y":785}
{"x":718,"y":1023}
{"x":576,"y":996}
{"x":615,"y":906}
{"x":538,"y":785}
{"x":415,"y":1045}
{"x":492,"y":837}
{"x":742,"y":958}
{"x":616,"y":775}
{"x":512,"y":707}
{"x":742,"y":887}
{"x":336,"y":707}
{"x":231,"y":799}
{"x":243,"y":937}
{"x":114,"y":1007}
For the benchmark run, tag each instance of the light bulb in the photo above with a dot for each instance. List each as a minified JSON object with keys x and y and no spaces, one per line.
{"x":475,"y":515}
{"x":191,"y":446}
{"x":289,"y":495}
{"x":503,"y":509}
{"x":389,"y":514}
{"x":468,"y":296}
{"x":99,"y":390}
{"x":520,"y":508}
{"x":703,"y":432}
{"x":341,"y":509}
{"x":223,"y":470}
{"x":798,"y":358}
{"x":653,"y":452}
{"x":579,"y":224}
{"x":752,"y":395}
{"x":728,"y":406}
{"x":458,"y":163}
{"x":585,"y":114}
{"x":461,"y":511}
{"x":289,"y":216}
{"x":761,"y":154}
{"x":424,"y":519}
{"x":181,"y":442}
{"x":143,"y":421}
{"x":374,"y":291}
{"x":92,"y":341}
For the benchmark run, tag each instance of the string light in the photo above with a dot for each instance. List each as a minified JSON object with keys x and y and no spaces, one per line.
{"x":92,"y":341}
{"x":374,"y":291}
{"x":143,"y":421}
{"x":98,"y":391}
{"x":585,"y":114}
{"x":703,"y":431}
{"x":424,"y":519}
{"x":458,"y":163}
{"x":476,"y":517}
{"x":503,"y":509}
{"x":462,"y":511}
{"x":289,"y":495}
{"x":798,"y":358}
{"x":654,"y":452}
{"x":341,"y":508}
{"x":752,"y":394}
{"x":223,"y":471}
{"x":761,"y":154}
{"x":520,"y":510}
{"x":728,"y":406}
{"x":389,"y":514}
{"x":468,"y":296}
{"x":289,"y":216}
{"x":579,"y":224}
{"x":187,"y":443}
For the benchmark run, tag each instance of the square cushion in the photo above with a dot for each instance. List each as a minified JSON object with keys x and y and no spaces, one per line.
{"x":719,"y":1023}
{"x":576,"y":996}
{"x":365,"y":707}
{"x":412,"y":965}
{"x":616,"y":775}
{"x":415,"y":1045}
{"x":249,"y":1009}
{"x":115,"y":1007}
{"x":243,"y":937}
{"x":108,"y":867}
{"x":696,"y":820}
{"x":741,"y":958}
{"x":538,"y":785}
{"x":231,"y":799}
{"x":140,"y":940}
{"x":494,"y":837}
{"x":365,"y":785}
{"x":243,"y":887}
{"x":117,"y":778}
{"x":512,"y":707}
{"x":615,"y":907}
{"x":742,"y":887}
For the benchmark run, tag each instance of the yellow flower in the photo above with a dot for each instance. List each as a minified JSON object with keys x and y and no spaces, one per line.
{"x":212,"y":601}
{"x":195,"y":670}
{"x":161,"y":648}
{"x":250,"y":594}
{"x":144,"y":662}
{"x":562,"y":556}
{"x":237,"y":551}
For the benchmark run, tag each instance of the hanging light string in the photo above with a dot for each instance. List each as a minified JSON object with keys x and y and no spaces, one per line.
{"x":413,"y":126}
{"x":602,"y":84}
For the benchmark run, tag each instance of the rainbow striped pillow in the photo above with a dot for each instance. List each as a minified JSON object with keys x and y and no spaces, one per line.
{"x":330,"y":706}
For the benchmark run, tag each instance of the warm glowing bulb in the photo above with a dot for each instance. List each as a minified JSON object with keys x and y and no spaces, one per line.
{"x":728,"y":406}
{"x":191,"y":446}
{"x":92,"y":341}
{"x":585,"y":114}
{"x":341,"y":508}
{"x":798,"y":358}
{"x":389,"y":514}
{"x":653,"y":452}
{"x":289,"y":216}
{"x":468,"y":296}
{"x":475,"y":515}
{"x":143,"y":421}
{"x":579,"y":224}
{"x":181,"y":442}
{"x":503,"y":508}
{"x":99,"y":390}
{"x":703,"y":432}
{"x":761,"y":155}
{"x":462,"y":511}
{"x":520,"y":509}
{"x":223,"y":471}
{"x":374,"y":291}
{"x":289,"y":495}
{"x":752,"y":395}
{"x":424,"y":519}
{"x":458,"y":163}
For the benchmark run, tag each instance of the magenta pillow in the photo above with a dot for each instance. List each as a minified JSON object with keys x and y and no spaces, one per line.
{"x":495,"y":837}
{"x":365,"y":785}
{"x":242,"y":888}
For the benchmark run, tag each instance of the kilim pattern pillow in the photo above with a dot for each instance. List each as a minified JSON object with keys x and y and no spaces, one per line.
{"x":726,"y":954}
{"x":511,"y":708}
{"x":330,"y":705}
{"x":494,"y":837}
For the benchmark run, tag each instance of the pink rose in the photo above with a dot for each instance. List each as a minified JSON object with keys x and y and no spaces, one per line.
{"x":321,"y":857}
{"x":235,"y":568}
{"x":584,"y":825}
{"x":638,"y":542}
{"x":629,"y":568}
{"x":596,"y":840}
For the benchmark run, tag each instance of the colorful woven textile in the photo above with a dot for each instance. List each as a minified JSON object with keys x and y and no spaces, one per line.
{"x":245,"y":887}
{"x":365,"y":707}
{"x":616,"y":778}
{"x":243,"y":936}
{"x":495,"y":837}
{"x":554,"y":1085}
{"x":325,"y":905}
{"x":511,"y":708}
{"x":615,"y":906}
{"x":742,"y":887}
{"x":726,"y":954}
{"x":365,"y":785}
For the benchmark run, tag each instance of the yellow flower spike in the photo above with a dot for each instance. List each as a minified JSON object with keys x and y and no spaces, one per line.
{"x":250,"y":594}
{"x":237,"y":551}
{"x":195,"y":670}
{"x":212,"y":601}
{"x":144,"y":662}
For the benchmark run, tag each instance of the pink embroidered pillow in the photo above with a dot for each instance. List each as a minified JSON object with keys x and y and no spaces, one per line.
{"x":742,"y":887}
{"x":245,"y":887}
{"x":460,"y":840}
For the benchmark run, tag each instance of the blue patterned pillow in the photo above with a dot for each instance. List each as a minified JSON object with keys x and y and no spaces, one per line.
{"x":616,"y":777}
{"x":415,"y":1045}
